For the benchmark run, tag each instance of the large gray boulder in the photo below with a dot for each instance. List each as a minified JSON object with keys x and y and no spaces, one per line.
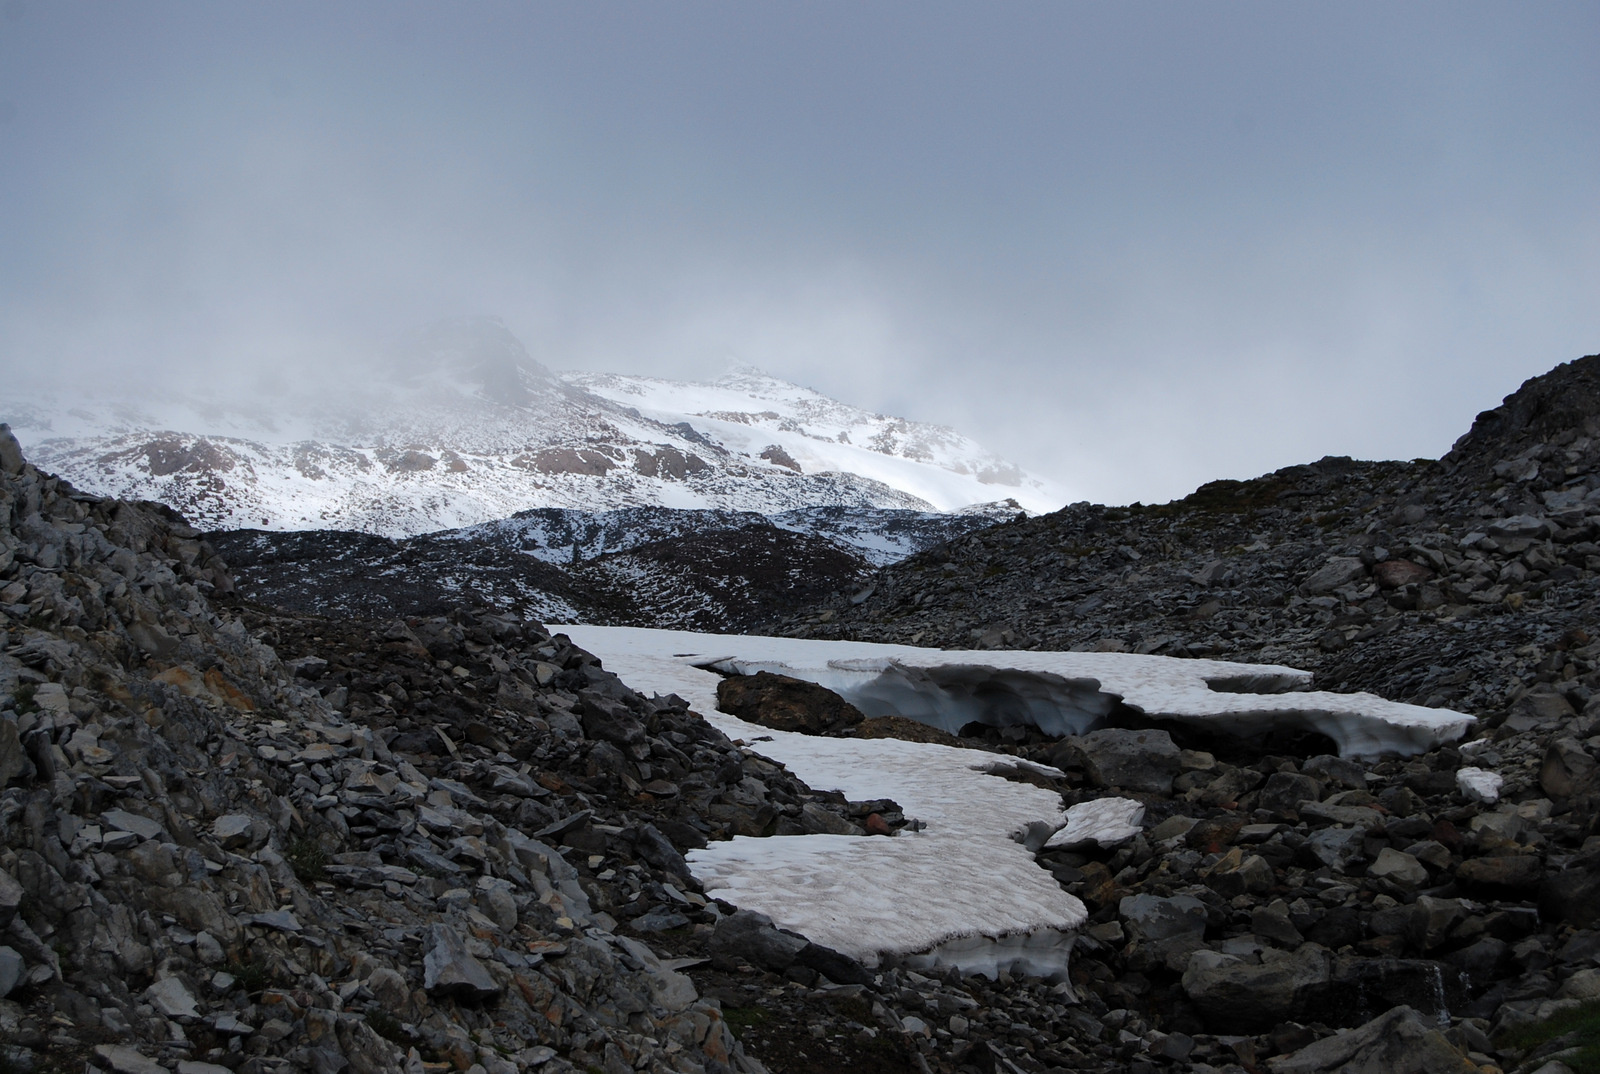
{"x":1400,"y":1041}
{"x":1336,"y":572}
{"x":1115,"y":757}
{"x":449,"y":970}
{"x":1235,"y":995}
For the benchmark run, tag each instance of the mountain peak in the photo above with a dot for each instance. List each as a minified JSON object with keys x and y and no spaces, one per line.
{"x":479,"y":350}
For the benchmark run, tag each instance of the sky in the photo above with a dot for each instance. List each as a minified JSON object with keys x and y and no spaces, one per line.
{"x":1133,"y":247}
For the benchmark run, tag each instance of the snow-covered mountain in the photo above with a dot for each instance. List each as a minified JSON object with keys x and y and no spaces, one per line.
{"x":458,"y":425}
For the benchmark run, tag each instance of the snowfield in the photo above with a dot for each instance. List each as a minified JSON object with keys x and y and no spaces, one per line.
{"x":963,"y":890}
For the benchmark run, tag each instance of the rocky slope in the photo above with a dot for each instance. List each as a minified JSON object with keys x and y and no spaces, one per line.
{"x":456,"y":835}
{"x":643,"y":566}
{"x":406,"y":846}
{"x":1455,"y":582}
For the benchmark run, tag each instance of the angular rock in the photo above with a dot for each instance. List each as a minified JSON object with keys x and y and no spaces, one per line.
{"x":608,"y":721}
{"x":1337,"y":848}
{"x":1400,"y":1041}
{"x":171,"y":998}
{"x":1394,"y":573}
{"x":1568,"y":769}
{"x":786,"y":704}
{"x":752,"y":937}
{"x":1237,"y":996}
{"x":1284,"y":791}
{"x":12,"y":970}
{"x":123,"y":821}
{"x":1336,"y":572}
{"x":1509,"y":873}
{"x":1399,"y":867}
{"x":450,"y":971}
{"x":1115,"y":757}
{"x":1234,"y":874}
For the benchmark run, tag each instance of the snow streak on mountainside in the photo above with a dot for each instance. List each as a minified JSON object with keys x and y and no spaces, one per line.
{"x":459,"y":426}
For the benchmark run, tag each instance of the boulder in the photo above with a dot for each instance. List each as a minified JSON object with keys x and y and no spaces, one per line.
{"x":1238,"y":996}
{"x":1568,"y":769}
{"x":1394,"y":573}
{"x":1235,"y":874}
{"x":608,"y":720}
{"x":1504,"y":874}
{"x":786,"y":704}
{"x":1400,"y":1041}
{"x":1336,"y":572}
{"x":1337,"y":848}
{"x":1398,"y":867}
{"x":1284,"y":791}
{"x":752,"y":937}
{"x":450,"y":971}
{"x":1115,"y":757}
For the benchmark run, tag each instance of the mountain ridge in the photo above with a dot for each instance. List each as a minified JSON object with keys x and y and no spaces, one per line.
{"x":458,"y":425}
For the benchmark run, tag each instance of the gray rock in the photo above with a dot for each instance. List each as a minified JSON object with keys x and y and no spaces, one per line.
{"x":14,"y":760}
{"x":660,"y":919}
{"x":1337,"y":848}
{"x":171,"y":998}
{"x":1132,"y":760}
{"x":1527,"y":526}
{"x":450,"y":971}
{"x":1155,"y":918}
{"x":609,"y":721}
{"x":752,"y":937}
{"x":10,"y":451}
{"x":11,"y":896}
{"x":1283,"y":792}
{"x":1236,"y":873}
{"x":658,"y":850}
{"x":1336,"y":572}
{"x":232,"y":830}
{"x":281,"y":920}
{"x":1399,"y":1041}
{"x":126,"y":1059}
{"x":1340,"y":770}
{"x":668,"y":988}
{"x":1432,"y":919}
{"x":123,"y":821}
{"x":12,"y":969}
{"x":1238,"y":996}
{"x":1568,"y":769}
{"x":1399,"y":867}
{"x":207,"y":949}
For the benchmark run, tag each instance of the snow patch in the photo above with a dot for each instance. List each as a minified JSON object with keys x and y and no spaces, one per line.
{"x":1479,"y":784}
{"x":1104,"y":822}
{"x":963,"y":891}
{"x":963,"y":877}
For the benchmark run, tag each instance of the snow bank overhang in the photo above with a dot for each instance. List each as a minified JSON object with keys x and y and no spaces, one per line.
{"x":963,"y":891}
{"x":1071,"y":693}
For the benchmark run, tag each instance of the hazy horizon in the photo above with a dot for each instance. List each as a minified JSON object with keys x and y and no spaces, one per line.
{"x":1131,"y":248}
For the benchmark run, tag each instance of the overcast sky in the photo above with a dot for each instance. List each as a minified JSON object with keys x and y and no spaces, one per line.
{"x":1133,"y":246}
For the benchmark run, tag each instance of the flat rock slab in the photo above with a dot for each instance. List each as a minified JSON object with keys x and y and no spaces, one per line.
{"x":126,"y":1059}
{"x":123,"y":821}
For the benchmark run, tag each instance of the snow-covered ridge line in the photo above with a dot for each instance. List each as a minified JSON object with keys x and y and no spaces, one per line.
{"x":465,"y":427}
